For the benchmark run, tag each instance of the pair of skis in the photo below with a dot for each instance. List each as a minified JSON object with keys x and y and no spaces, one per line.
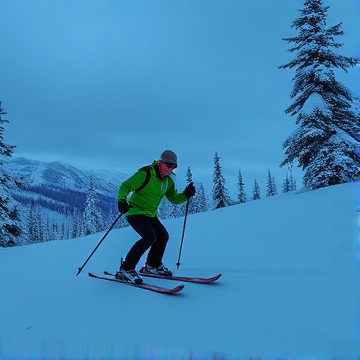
{"x":159,"y":289}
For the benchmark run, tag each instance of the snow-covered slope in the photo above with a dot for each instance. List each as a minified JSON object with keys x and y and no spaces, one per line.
{"x":289,"y":289}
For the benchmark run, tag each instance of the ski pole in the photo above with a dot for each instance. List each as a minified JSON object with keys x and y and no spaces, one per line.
{"x":113,"y":224}
{"x":183,"y":232}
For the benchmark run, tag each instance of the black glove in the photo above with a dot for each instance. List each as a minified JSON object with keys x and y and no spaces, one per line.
{"x":190,"y":190}
{"x":123,"y":206}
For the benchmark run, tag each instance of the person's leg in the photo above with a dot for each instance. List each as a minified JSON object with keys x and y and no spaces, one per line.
{"x":154,"y":258}
{"x":143,"y":226}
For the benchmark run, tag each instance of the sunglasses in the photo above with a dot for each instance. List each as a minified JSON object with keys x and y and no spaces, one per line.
{"x":168,"y":165}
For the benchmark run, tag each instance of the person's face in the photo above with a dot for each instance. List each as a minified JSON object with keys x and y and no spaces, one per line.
{"x":165,"y":168}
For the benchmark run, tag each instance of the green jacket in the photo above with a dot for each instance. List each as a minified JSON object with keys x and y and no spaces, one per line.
{"x":147,"y":200}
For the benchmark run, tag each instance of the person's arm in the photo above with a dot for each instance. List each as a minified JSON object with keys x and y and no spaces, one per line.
{"x":131,"y":184}
{"x":173,"y":196}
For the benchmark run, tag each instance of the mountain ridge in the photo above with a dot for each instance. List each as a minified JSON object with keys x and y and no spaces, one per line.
{"x":57,"y":193}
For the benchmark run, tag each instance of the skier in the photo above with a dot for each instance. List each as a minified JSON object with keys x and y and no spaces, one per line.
{"x":149,"y":185}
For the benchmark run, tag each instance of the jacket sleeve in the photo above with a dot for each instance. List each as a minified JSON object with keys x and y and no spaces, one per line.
{"x":131,"y":184}
{"x":173,"y":196}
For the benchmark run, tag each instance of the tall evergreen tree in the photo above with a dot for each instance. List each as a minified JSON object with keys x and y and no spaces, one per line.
{"x":242,"y":198}
{"x":40,"y":225}
{"x":286,"y":184}
{"x":198,"y":202}
{"x":189,"y":175}
{"x":10,"y":231}
{"x":274,"y":185}
{"x":324,"y":142}
{"x":31,"y":219}
{"x":270,"y":190}
{"x":175,"y":210}
{"x":193,"y":200}
{"x":164,"y":211}
{"x":36,"y":226}
{"x":292,"y":181}
{"x":93,"y":221}
{"x":55,"y":231}
{"x":201,"y":204}
{"x":356,"y":108}
{"x":256,"y":191}
{"x":76,"y":230}
{"x":219,"y":193}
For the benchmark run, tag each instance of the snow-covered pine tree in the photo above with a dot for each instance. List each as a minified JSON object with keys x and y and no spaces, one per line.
{"x":75,"y":223}
{"x":36,"y":226}
{"x":292,"y":181}
{"x":274,"y":185}
{"x":112,"y":216}
{"x":48,"y":234}
{"x":198,"y":202}
{"x":40,"y":223}
{"x":55,"y":230}
{"x":164,"y":209}
{"x":219,"y":193}
{"x":10,"y":230}
{"x":31,"y":224}
{"x":270,"y":190}
{"x":356,"y":108}
{"x":286,"y":184}
{"x":189,"y":175}
{"x":289,"y":183}
{"x":201,"y":204}
{"x":192,"y":202}
{"x":324,"y":142}
{"x":175,"y":210}
{"x":242,"y":198}
{"x":93,"y":221}
{"x":256,"y":191}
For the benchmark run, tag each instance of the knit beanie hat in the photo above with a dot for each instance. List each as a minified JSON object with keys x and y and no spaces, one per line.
{"x":169,"y":156}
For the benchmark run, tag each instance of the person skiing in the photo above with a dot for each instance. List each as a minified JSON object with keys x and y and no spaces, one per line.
{"x":148,"y":186}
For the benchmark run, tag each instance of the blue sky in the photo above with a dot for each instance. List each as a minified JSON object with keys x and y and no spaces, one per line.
{"x":111,"y":84}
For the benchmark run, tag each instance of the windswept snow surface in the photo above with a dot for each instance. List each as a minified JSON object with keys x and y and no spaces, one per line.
{"x":289,"y":288}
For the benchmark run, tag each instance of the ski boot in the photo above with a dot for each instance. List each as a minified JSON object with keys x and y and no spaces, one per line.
{"x":131,"y":276}
{"x":160,"y":270}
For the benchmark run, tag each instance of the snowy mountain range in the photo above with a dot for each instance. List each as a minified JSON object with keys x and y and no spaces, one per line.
{"x":59,"y":175}
{"x":59,"y":188}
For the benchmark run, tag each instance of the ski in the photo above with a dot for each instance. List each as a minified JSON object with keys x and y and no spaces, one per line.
{"x":192,"y":279}
{"x":157,"y":289}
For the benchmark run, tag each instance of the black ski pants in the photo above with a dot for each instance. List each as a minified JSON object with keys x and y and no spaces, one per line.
{"x":153,"y":235}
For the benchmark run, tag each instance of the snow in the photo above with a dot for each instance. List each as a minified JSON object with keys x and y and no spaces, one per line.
{"x":316,"y":102}
{"x":289,"y":288}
